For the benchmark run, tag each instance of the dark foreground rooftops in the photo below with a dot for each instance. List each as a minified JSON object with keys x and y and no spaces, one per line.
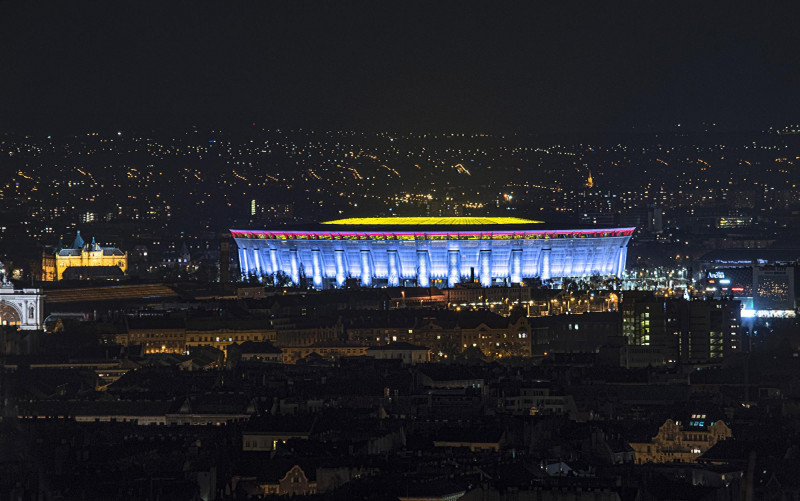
{"x":397,"y":345}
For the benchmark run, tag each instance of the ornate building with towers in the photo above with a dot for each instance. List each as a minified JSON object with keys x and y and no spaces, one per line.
{"x":83,"y":261}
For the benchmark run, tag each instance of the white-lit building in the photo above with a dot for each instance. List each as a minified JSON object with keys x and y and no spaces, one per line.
{"x":375,"y":252}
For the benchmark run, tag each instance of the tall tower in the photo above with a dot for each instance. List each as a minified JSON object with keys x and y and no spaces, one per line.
{"x":224,"y":259}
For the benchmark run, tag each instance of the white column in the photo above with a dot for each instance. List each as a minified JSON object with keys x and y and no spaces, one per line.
{"x":265,"y":264}
{"x":544,"y":267}
{"x":244,"y":268}
{"x":453,"y":271}
{"x":623,"y":257}
{"x":295,"y":267}
{"x":366,"y":272}
{"x":423,"y":269}
{"x":515,"y":274}
{"x":256,"y":263}
{"x":338,"y":259}
{"x":394,"y":268}
{"x":485,"y":270}
{"x":273,"y":259}
{"x":316,"y":268}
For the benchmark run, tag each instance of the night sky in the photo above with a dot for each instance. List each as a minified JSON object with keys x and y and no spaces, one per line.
{"x":407,"y":66}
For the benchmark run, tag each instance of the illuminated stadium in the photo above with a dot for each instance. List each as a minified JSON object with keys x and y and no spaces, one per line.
{"x":425,"y":251}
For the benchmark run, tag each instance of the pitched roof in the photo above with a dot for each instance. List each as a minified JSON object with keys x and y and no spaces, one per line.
{"x":159,"y":322}
{"x":259,"y":347}
{"x":472,"y":319}
{"x":397,"y":345}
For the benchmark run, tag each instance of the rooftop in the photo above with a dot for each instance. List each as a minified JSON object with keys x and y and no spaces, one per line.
{"x":397,"y":345}
{"x":430,"y":221}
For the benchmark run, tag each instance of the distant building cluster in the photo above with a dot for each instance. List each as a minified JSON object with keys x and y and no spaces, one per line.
{"x":644,"y":348}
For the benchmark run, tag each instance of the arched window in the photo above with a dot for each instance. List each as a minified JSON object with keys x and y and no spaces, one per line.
{"x":8,"y":315}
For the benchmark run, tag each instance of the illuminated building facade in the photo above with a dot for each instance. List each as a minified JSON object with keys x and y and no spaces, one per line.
{"x":682,"y":442}
{"x":375,"y":252}
{"x":20,"y":308}
{"x":84,"y":260}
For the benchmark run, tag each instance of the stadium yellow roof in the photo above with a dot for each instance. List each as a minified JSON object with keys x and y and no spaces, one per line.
{"x":431,"y":221}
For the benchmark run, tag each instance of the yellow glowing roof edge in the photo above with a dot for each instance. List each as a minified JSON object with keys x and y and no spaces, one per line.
{"x":431,"y":221}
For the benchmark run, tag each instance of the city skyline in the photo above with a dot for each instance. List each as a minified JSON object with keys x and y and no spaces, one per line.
{"x":399,"y":251}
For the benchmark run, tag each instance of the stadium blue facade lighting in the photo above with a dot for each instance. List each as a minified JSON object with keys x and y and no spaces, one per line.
{"x":424,"y":256}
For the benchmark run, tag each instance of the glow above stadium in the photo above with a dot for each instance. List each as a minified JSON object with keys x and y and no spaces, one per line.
{"x":428,"y":251}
